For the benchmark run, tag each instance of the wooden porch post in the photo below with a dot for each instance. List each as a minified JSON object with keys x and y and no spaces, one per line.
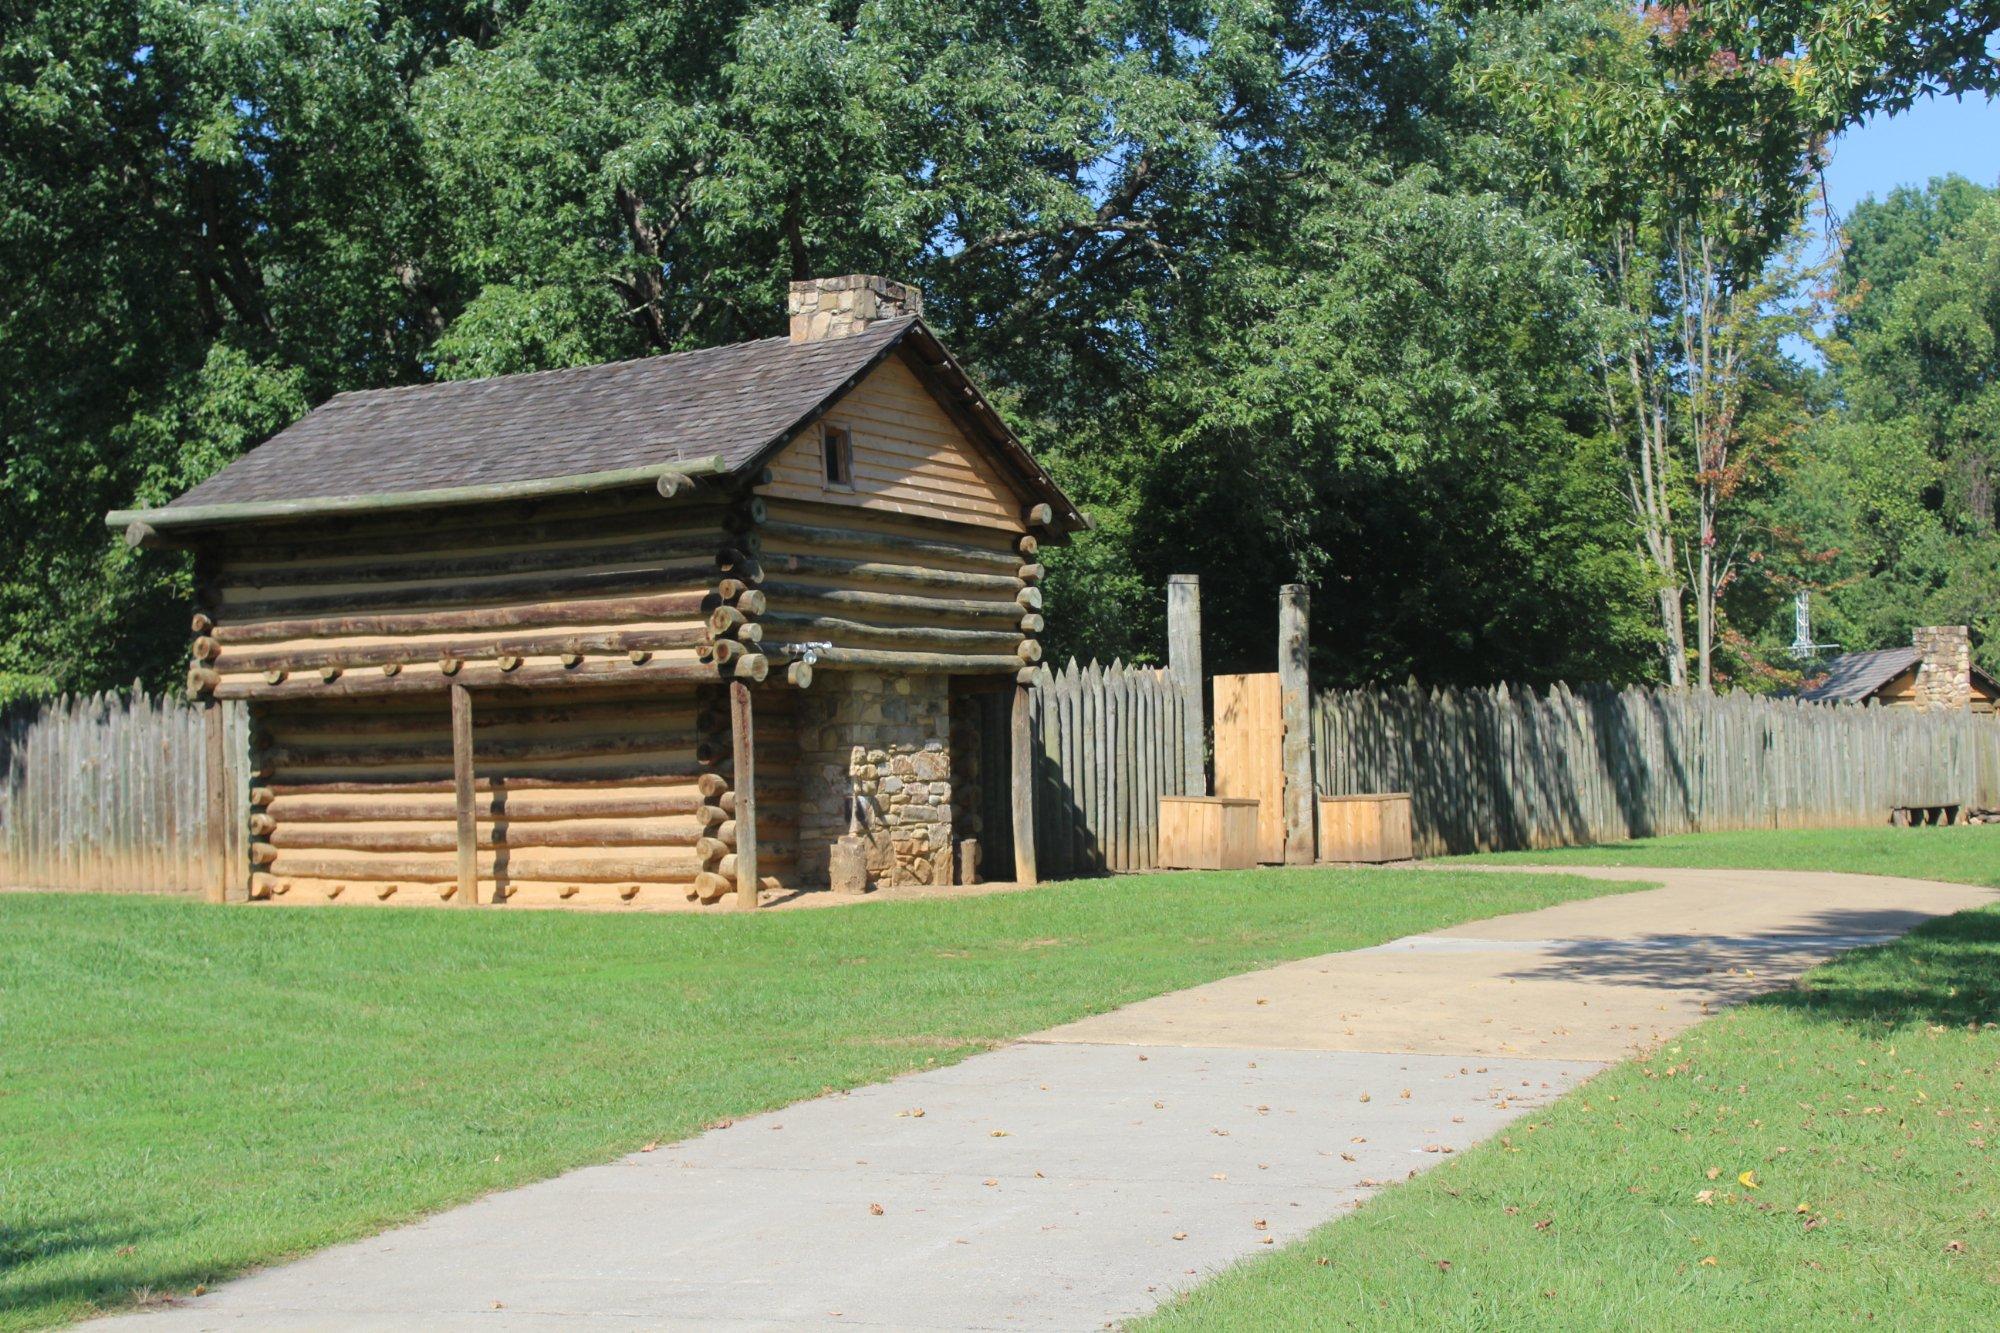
{"x":1184,"y":668}
{"x":1295,"y":691}
{"x":1024,"y":788}
{"x":461,"y":782}
{"x":743,"y":745}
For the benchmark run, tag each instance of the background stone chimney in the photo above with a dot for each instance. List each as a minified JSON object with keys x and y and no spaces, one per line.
{"x":838,"y":307}
{"x":1944,"y":675}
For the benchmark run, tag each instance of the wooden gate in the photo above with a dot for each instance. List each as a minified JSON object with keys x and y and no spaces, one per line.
{"x":1249,"y":754}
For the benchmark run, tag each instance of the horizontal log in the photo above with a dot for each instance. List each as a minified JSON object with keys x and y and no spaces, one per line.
{"x":653,"y":577}
{"x":432,"y":566}
{"x":475,"y":675}
{"x":594,"y":778}
{"x":443,"y":837}
{"x":599,"y":611}
{"x":444,"y":531}
{"x":790,"y":596}
{"x":874,"y":659}
{"x":782,"y":535}
{"x":441,"y":868}
{"x":514,"y":806}
{"x":806,"y":625}
{"x":851,"y":572}
{"x":354,"y":656}
{"x":422,"y":750}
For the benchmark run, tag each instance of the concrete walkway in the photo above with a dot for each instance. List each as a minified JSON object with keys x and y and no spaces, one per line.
{"x":1086,"y":1174}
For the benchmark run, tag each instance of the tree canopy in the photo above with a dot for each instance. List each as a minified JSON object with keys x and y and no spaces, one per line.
{"x":1281,"y":289}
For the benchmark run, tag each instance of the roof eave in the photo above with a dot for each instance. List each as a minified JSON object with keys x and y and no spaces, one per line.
{"x":139,"y":524}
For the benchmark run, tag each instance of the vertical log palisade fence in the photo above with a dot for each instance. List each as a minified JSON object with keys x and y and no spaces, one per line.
{"x":111,"y":792}
{"x":1511,"y":768}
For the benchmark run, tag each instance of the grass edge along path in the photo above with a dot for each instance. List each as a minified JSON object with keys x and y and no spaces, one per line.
{"x":187,"y":1092}
{"x":1964,"y":854}
{"x":1826,"y":1153}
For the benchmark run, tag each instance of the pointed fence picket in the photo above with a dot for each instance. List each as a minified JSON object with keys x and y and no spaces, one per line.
{"x":1108,"y":745}
{"x":1507,"y":767}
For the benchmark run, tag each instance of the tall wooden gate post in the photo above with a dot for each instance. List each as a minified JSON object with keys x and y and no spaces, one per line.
{"x":744,"y":756}
{"x":1295,"y":687}
{"x":1184,"y":668}
{"x":1023,"y":765}
{"x":463,"y":796}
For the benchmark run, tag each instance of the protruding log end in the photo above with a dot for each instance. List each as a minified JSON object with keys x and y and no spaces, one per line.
{"x":449,"y":665}
{"x":753,"y":602}
{"x":750,"y":633}
{"x":262,"y":854}
{"x":1038,"y":516}
{"x":274,"y":677}
{"x":143,"y":534}
{"x":1028,"y":546}
{"x":201,"y":624}
{"x":1033,"y":624}
{"x":1030,"y":650}
{"x":709,"y":886}
{"x":1032,"y":573}
{"x":711,"y":785}
{"x":725,"y":619}
{"x":671,"y":484}
{"x":753,"y":667}
{"x":392,"y":668}
{"x":202,"y":680}
{"x":1031,"y":598}
{"x":1026,"y":675}
{"x":800,"y":674}
{"x":725,"y":651}
{"x":329,"y":674}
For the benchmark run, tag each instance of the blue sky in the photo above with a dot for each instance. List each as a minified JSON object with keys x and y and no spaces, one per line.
{"x":1932,"y":138}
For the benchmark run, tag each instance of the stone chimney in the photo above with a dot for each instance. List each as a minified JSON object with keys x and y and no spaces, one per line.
{"x":1944,"y":671}
{"x":838,"y":307}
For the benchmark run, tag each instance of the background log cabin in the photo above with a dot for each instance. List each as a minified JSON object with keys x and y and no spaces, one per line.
{"x":653,"y":633}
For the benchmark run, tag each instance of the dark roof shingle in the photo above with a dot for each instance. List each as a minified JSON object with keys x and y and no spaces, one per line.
{"x":729,"y":402}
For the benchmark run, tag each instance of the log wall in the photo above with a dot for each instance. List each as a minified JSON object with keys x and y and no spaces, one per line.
{"x":611,"y":585}
{"x":583,"y":798}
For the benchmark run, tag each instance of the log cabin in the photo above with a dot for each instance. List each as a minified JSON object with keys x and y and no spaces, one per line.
{"x":695,"y":629}
{"x":1934,"y":674}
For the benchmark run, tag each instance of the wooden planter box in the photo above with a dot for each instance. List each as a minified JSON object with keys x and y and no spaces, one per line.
{"x":1208,"y":832}
{"x":1373,"y":828}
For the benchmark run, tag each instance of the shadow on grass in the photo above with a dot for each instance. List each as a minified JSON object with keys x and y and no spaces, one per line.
{"x":1944,"y":972}
{"x":118,"y":1282}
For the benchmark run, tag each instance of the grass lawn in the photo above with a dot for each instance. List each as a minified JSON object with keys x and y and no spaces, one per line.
{"x":187,"y":1091}
{"x":1866,"y":1103}
{"x":1967,"y":854}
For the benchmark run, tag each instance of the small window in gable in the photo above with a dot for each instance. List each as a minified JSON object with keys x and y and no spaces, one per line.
{"x":838,"y":448}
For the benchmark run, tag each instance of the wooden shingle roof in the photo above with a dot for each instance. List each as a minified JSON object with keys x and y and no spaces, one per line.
{"x":1855,"y":676}
{"x":717,"y":411}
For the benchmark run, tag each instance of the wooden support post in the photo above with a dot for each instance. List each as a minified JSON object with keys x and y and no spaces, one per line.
{"x":1295,"y":703}
{"x":461,"y":781}
{"x":1024,"y":788}
{"x":743,"y":738}
{"x":1184,"y":668}
{"x":218,"y":803}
